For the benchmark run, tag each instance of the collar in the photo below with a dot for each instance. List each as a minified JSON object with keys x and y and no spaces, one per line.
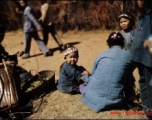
{"x":115,"y":46}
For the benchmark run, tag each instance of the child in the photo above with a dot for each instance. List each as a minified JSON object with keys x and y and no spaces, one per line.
{"x":104,"y":89}
{"x":142,"y":56}
{"x":70,"y":72}
{"x":127,"y":23}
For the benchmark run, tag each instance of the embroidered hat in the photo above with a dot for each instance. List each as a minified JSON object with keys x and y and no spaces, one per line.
{"x":70,"y":49}
{"x":115,"y":38}
{"x":125,"y":15}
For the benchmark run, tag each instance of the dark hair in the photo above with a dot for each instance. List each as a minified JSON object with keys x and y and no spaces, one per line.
{"x":128,"y":16}
{"x":115,"y":38}
{"x":2,"y":28}
{"x":148,"y":4}
{"x":24,"y":1}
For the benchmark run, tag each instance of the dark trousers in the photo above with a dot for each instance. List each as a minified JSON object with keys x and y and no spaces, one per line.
{"x":28,"y":38}
{"x":129,"y":88}
{"x":50,"y":29}
{"x":145,"y":87}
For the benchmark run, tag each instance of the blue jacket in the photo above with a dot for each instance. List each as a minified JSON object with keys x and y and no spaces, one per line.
{"x":143,"y":31}
{"x":30,"y":22}
{"x":104,"y":88}
{"x":69,"y":76}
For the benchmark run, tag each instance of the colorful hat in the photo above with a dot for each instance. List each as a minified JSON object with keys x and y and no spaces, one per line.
{"x":115,"y":38}
{"x":125,"y":15}
{"x":70,"y":49}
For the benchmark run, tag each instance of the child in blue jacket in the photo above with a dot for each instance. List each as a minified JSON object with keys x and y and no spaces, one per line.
{"x":70,"y":72}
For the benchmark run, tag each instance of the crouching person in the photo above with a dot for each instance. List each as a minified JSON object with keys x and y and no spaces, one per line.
{"x":104,"y":87}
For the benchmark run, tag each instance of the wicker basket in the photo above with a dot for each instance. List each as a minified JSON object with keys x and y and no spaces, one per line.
{"x":46,"y":85}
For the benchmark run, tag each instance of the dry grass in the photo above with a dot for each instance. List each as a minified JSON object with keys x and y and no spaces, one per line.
{"x":70,"y":15}
{"x":57,"y":105}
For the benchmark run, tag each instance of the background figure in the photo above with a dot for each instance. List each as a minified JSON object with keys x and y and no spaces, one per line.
{"x":142,"y":56}
{"x":70,"y":72}
{"x":105,"y":86}
{"x":127,"y":25}
{"x":31,"y":26}
{"x":48,"y":24}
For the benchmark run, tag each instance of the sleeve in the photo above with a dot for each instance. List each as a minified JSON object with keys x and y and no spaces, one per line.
{"x":31,"y":16}
{"x":44,"y":10}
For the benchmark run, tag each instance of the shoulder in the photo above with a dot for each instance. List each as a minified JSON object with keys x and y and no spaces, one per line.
{"x":45,"y":5}
{"x":66,"y":66}
{"x":28,"y":8}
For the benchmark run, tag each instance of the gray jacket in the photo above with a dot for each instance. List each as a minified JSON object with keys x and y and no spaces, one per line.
{"x":30,"y":22}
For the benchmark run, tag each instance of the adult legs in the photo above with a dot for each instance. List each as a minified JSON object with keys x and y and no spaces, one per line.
{"x":45,"y":34}
{"x":27,"y":42}
{"x":40,"y":43}
{"x":54,"y":35}
{"x":145,"y":88}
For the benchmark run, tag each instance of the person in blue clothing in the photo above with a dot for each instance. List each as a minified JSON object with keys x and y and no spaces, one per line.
{"x":127,"y":25}
{"x":142,"y":56}
{"x":31,"y":26}
{"x":70,"y":72}
{"x":105,"y":86}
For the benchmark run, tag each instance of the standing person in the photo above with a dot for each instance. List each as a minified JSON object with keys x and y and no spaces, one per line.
{"x":142,"y":56}
{"x":127,"y":25}
{"x":31,"y":26}
{"x":70,"y":72}
{"x":48,"y":24}
{"x":105,"y":86}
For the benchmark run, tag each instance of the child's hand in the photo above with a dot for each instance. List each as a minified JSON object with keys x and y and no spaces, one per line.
{"x":85,"y":73}
{"x":11,"y":63}
{"x":148,"y":45}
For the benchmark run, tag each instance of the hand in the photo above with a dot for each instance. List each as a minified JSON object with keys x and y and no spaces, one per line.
{"x":20,"y":53}
{"x":85,"y":73}
{"x":39,"y":19}
{"x":40,"y":29}
{"x":148,"y":45}
{"x":11,"y":63}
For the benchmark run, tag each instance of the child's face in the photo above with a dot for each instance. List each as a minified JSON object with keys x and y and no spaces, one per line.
{"x":72,"y":58}
{"x":125,"y":23}
{"x":2,"y":34}
{"x":140,"y":4}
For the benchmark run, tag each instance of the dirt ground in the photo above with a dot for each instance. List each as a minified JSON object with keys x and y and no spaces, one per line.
{"x":57,"y":105}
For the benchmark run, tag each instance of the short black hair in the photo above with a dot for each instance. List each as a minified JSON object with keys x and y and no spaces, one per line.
{"x":2,"y":28}
{"x":115,"y":38}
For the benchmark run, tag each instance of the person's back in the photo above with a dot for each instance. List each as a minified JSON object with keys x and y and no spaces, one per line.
{"x":47,"y":18}
{"x":105,"y":86}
